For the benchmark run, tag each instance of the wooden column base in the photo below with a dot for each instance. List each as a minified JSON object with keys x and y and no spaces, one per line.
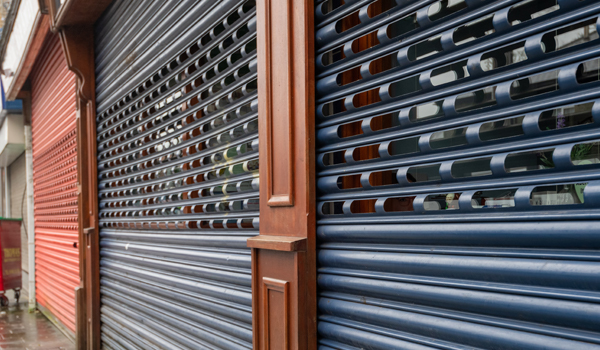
{"x":277,"y":263}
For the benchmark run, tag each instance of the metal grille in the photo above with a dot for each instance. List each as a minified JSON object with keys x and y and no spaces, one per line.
{"x":178,"y":172}
{"x":54,"y":146}
{"x":458,"y":174}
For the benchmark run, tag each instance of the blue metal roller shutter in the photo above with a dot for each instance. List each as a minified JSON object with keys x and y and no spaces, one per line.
{"x":177,"y":172}
{"x":458,"y":165}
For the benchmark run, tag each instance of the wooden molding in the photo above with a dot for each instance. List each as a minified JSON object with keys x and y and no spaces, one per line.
{"x":36,"y":40}
{"x":80,"y":318}
{"x":275,"y":303}
{"x":78,"y":47}
{"x":286,"y":116}
{"x":51,"y":11}
{"x":80,"y":13}
{"x":79,"y":52}
{"x":275,"y":101}
{"x":74,"y":21}
{"x":281,"y":243}
{"x":285,"y":250}
{"x":43,"y":7}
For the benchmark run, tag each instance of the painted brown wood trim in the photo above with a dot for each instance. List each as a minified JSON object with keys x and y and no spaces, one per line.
{"x":60,"y":13}
{"x":76,"y":12}
{"x":34,"y":45}
{"x":285,"y":38}
{"x":255,"y":302}
{"x":43,"y":7}
{"x":80,"y":317}
{"x":51,"y":10}
{"x":280,"y":243}
{"x":276,"y":52}
{"x":280,"y":216}
{"x":274,"y":329}
{"x":77,"y":44}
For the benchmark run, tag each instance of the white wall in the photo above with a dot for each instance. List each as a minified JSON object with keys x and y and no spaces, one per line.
{"x":18,"y":182}
{"x":18,"y":41}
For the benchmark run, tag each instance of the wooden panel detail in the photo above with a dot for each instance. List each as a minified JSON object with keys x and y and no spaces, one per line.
{"x":276,"y":101}
{"x":275,"y":313}
{"x":270,"y":270}
{"x":285,"y":250}
{"x":286,"y":116}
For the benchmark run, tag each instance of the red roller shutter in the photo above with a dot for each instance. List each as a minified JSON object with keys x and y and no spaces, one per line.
{"x":55,"y":182}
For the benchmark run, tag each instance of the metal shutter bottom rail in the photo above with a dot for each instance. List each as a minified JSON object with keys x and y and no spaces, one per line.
{"x":458,"y":156}
{"x":178,"y":173}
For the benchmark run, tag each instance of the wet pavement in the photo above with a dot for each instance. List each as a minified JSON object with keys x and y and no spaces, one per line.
{"x":20,"y":329}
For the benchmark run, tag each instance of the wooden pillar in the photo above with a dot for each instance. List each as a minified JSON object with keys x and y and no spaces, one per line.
{"x":284,"y":254}
{"x":77,"y":43}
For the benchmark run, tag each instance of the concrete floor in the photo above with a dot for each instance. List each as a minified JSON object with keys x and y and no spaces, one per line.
{"x":20,"y":329}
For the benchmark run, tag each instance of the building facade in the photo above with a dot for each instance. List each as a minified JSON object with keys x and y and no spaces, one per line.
{"x":13,"y":184}
{"x":428,"y":172}
{"x":44,"y":178}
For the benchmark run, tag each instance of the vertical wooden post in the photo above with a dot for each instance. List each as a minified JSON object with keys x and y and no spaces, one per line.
{"x":284,"y":254}
{"x":77,"y":43}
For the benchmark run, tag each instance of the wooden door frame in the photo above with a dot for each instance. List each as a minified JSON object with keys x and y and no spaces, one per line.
{"x":74,"y":23}
{"x":77,"y":43}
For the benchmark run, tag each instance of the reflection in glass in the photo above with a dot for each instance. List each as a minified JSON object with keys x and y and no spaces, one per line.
{"x":558,"y":194}
{"x":471,"y":168}
{"x":566,"y":117}
{"x":474,"y":30}
{"x":441,"y":9}
{"x":424,"y":173}
{"x":449,"y":73}
{"x":501,"y":129}
{"x":529,"y":161}
{"x":588,"y":72}
{"x":426,"y":111}
{"x":504,"y":198}
{"x":503,"y":57}
{"x":534,"y":85}
{"x":530,"y":9}
{"x":445,"y":201}
{"x":399,"y":204}
{"x":448,"y":138}
{"x":572,"y":35}
{"x":476,"y":99}
{"x":586,"y":153}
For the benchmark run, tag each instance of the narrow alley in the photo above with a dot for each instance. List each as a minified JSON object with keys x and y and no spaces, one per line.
{"x":20,"y":329}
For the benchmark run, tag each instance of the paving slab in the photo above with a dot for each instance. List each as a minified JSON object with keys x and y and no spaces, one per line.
{"x":20,"y":329}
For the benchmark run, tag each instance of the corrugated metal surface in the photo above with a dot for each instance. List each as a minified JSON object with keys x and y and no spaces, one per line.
{"x":178,"y":172}
{"x":458,"y":174}
{"x":55,"y":182}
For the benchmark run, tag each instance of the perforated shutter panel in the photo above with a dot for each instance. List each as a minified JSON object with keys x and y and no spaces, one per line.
{"x":54,"y":149}
{"x":178,"y":172}
{"x":458,"y":174}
